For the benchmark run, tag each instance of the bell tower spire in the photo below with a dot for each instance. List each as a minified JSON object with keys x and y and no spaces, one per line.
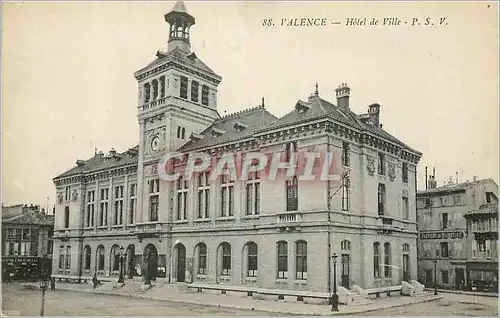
{"x":180,"y":23}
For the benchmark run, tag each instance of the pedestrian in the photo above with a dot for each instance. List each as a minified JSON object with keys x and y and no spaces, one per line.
{"x":138,"y":269}
{"x":95,"y":281}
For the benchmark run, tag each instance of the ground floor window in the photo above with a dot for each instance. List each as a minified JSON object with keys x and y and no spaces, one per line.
{"x":444,"y":277}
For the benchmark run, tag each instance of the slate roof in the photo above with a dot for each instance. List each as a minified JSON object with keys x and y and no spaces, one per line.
{"x":180,"y":56}
{"x":225,"y":130}
{"x":320,"y":108}
{"x":102,"y":162}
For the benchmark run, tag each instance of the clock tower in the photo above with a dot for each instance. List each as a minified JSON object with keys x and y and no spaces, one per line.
{"x":177,"y":97}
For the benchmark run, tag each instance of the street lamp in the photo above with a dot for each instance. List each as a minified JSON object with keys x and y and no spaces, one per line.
{"x":122,"y":257}
{"x":335,"y":297}
{"x":43,"y":287}
{"x":435,"y":277}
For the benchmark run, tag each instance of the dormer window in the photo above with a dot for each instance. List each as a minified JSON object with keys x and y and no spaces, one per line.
{"x":216,"y":132}
{"x":302,"y":107}
{"x":239,"y":126}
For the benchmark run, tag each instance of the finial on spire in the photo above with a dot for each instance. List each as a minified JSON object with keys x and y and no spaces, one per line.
{"x":316,"y":92}
{"x":95,"y":151}
{"x":263,"y":104}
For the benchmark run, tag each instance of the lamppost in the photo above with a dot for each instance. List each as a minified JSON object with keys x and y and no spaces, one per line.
{"x":335,"y":297}
{"x":43,"y":287}
{"x":435,"y":277}
{"x":122,"y":258}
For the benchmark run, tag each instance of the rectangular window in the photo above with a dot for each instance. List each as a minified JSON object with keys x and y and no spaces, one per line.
{"x":10,"y":234}
{"x":381,"y":199}
{"x":184,"y":87}
{"x":387,"y":260}
{"x":103,"y":212}
{"x":301,"y":260}
{"x":282,"y":259}
{"x":182,"y":191}
{"x":162,"y":86}
{"x":252,"y":191}
{"x":444,"y":249}
{"x":457,"y":199}
{"x":444,"y":277}
{"x":405,"y":172}
{"x":67,"y":193}
{"x":66,"y":217}
{"x":381,"y":163}
{"x":118,"y":217}
{"x":406,"y":209}
{"x":345,"y":194}
{"x":133,"y":203}
{"x":292,"y":194}
{"x":26,"y":235}
{"x":89,"y":219}
{"x":203,"y":195}
{"x":204,"y":95}
{"x":227,"y":197}
{"x":444,"y":221}
{"x":194,"y":91}
{"x":345,"y":154}
{"x":154,"y":199}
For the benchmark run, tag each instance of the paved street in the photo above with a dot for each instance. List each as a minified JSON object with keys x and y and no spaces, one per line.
{"x":20,"y":301}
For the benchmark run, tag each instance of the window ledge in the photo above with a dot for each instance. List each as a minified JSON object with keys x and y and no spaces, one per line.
{"x":225,"y":278}
{"x":301,"y":282}
{"x":117,"y":226}
{"x":226,"y":218}
{"x":281,"y":281}
{"x":181,"y":221}
{"x":250,"y":217}
{"x":202,"y":220}
{"x":250,"y":279}
{"x":201,"y":276}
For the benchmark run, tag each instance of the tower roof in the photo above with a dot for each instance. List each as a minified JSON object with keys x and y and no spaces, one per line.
{"x":180,"y":7}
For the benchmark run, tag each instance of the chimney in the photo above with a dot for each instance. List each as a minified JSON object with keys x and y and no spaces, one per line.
{"x":456,"y":177}
{"x":432,"y":183}
{"x":374,"y":113}
{"x":343,"y":92}
{"x":474,"y":178}
{"x":112,"y":152}
{"x":426,"y":185}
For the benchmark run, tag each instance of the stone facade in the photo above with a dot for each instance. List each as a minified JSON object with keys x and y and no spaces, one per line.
{"x":183,"y":232}
{"x":443,"y":233}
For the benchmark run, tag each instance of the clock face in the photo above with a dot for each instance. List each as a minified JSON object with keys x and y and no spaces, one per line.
{"x":155,"y":143}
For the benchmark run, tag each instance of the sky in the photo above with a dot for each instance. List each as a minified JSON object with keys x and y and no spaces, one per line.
{"x":68,"y":84}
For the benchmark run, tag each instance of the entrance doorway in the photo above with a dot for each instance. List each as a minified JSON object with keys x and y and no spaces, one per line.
{"x":180,"y":253}
{"x":428,"y":277}
{"x":345,"y":271}
{"x":406,"y":268}
{"x":150,"y":259}
{"x":459,"y":278}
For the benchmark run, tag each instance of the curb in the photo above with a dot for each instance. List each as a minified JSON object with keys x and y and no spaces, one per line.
{"x":248,"y":308}
{"x":464,"y":292}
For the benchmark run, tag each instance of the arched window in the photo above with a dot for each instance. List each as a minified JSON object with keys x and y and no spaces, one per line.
{"x":100,"y":258}
{"x":155,"y":89}
{"x":147,"y":92}
{"x":62,"y":253}
{"x":252,"y":259}
{"x":301,"y":260}
{"x":183,"y":133}
{"x":387,"y":260}
{"x":225,"y":259}
{"x":282,"y":248}
{"x":202,"y":258}
{"x":345,"y":245}
{"x":162,"y":86}
{"x":376,"y":260}
{"x":406,"y":248}
{"x":68,"y":257}
{"x":87,"y":255}
{"x":292,"y":186}
{"x":115,"y":258}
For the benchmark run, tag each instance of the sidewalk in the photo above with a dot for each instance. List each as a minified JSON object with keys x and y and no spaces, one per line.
{"x":178,"y":294}
{"x":464,"y":292}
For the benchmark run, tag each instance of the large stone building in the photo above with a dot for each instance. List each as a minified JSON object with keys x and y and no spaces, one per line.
{"x":27,"y":233}
{"x":278,"y":234}
{"x":444,"y":235}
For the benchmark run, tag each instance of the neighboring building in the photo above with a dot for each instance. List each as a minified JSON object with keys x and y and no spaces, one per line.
{"x":482,"y":247}
{"x":273,"y":234}
{"x":443,"y":234}
{"x":26,"y":241}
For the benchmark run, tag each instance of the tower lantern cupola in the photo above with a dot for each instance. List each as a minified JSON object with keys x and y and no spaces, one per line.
{"x":180,"y":22}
